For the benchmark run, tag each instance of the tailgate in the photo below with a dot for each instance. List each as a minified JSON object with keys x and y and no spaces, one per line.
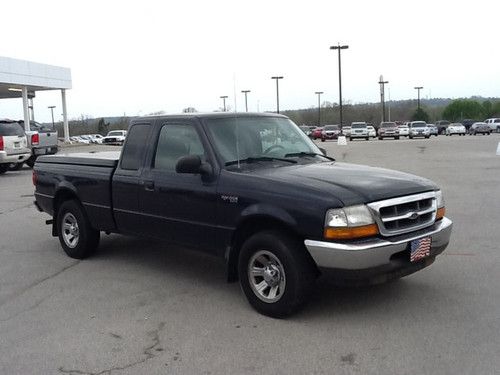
{"x":15,"y":144}
{"x":47,"y":138}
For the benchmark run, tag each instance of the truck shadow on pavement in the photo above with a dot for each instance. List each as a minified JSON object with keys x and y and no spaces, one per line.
{"x":168,"y":264}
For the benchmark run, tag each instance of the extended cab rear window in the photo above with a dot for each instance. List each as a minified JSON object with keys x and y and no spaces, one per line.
{"x":133,"y":151}
{"x":11,"y":129}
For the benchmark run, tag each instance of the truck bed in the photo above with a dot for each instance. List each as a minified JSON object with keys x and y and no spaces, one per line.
{"x":86,"y":175}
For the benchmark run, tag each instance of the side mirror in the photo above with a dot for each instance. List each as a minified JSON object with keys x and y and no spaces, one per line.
{"x":192,"y":164}
{"x":323,"y":151}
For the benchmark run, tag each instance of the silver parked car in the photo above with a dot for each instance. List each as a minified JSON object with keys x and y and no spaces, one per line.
{"x":479,"y":128}
{"x":418,"y":129}
{"x":14,"y":149}
{"x":433,"y":130}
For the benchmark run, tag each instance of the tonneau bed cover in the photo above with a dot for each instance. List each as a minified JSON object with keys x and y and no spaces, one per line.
{"x":97,"y":159}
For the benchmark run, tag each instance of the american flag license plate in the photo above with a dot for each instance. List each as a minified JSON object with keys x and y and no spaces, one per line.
{"x":420,"y":248}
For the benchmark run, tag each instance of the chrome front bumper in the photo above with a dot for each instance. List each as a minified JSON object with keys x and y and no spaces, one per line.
{"x":375,"y":252}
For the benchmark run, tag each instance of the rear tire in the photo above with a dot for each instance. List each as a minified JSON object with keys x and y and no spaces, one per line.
{"x":15,"y":166}
{"x":275,"y":273}
{"x":77,"y":237}
{"x":4,"y":168}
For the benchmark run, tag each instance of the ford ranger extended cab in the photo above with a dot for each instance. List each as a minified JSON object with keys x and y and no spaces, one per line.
{"x":254,"y":190}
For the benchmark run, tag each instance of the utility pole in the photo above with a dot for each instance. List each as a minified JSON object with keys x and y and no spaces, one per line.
{"x":246,"y":103}
{"x":277,"y":78}
{"x":52,"y":112}
{"x":418,"y":88}
{"x":382,"y":95}
{"x":339,"y":48}
{"x":319,"y":106}
{"x":224,"y":97}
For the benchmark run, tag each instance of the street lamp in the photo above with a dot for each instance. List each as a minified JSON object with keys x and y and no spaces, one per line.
{"x":224,"y":97}
{"x":277,"y":93}
{"x":52,"y":112}
{"x":382,"y":95}
{"x":319,"y":106}
{"x":418,"y":88}
{"x":339,"y":47}
{"x":246,"y":103}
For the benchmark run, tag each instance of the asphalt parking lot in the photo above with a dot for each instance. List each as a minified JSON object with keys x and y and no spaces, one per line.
{"x":140,"y":307}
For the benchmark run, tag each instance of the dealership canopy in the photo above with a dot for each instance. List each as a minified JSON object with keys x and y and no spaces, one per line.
{"x":22,"y":79}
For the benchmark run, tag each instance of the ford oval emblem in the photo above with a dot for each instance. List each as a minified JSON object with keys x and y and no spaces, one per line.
{"x":414,"y":216}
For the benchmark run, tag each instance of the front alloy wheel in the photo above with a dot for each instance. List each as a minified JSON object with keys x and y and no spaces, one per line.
{"x":266,"y":276}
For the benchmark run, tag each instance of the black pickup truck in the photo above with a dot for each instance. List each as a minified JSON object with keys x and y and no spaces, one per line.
{"x":253,"y":189}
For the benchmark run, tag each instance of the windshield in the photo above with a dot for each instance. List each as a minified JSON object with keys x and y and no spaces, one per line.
{"x":11,"y":129}
{"x":256,"y":137}
{"x":388,"y":125}
{"x":358,"y":126}
{"x":115,"y":133}
{"x":419,"y":125}
{"x":331,"y":127}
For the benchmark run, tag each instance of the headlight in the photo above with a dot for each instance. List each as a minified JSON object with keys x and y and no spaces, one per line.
{"x":349,"y":223}
{"x":441,"y":211}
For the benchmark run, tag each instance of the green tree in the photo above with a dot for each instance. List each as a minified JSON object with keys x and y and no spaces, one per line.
{"x":463,"y":108}
{"x":420,"y":115}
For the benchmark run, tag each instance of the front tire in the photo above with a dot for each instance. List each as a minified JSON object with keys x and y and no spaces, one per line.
{"x":275,"y":273}
{"x":77,"y":237}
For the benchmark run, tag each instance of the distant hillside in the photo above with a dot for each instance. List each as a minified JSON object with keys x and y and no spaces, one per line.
{"x":396,"y":110}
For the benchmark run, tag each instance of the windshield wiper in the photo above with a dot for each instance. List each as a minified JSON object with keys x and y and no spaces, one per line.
{"x":259,"y":158}
{"x":301,"y":154}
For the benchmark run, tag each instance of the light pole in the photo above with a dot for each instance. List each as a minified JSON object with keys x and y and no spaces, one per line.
{"x":339,"y":47}
{"x":418,"y":88}
{"x":224,"y":97}
{"x":319,"y":106}
{"x":246,"y":103}
{"x":52,"y":113}
{"x":382,"y":95}
{"x":277,"y":78}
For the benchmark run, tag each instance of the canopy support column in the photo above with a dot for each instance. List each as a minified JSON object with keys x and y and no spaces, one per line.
{"x":26,"y":111}
{"x":65,"y":116}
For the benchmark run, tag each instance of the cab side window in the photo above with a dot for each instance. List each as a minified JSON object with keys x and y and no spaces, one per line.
{"x":174,"y":142}
{"x":133,"y":151}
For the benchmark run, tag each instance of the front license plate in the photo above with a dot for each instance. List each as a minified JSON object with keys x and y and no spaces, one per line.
{"x":420,"y":249}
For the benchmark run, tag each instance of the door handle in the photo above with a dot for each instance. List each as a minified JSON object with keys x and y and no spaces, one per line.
{"x":148,"y":185}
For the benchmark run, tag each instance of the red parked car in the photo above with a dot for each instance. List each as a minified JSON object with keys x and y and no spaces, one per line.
{"x":316,"y":134}
{"x":330,"y":132}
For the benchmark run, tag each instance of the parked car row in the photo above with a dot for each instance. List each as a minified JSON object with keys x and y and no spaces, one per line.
{"x":492,"y":123}
{"x":114,"y":137}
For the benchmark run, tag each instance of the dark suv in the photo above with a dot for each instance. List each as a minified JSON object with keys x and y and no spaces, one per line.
{"x":441,"y":125}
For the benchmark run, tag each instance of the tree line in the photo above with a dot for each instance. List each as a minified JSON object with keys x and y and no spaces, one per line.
{"x":430,"y":111}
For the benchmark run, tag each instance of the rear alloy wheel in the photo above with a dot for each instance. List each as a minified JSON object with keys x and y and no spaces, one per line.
{"x":77,"y":237}
{"x":275,"y":273}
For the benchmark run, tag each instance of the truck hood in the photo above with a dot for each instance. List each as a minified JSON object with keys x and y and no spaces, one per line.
{"x":349,"y":183}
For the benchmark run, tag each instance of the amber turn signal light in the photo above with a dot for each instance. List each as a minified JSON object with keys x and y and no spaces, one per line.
{"x":440,"y":213}
{"x":349,"y":233}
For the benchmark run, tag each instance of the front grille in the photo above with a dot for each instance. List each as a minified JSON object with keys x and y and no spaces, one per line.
{"x":404,"y":214}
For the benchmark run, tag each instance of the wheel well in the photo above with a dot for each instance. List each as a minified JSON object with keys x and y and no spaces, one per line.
{"x":62,"y":195}
{"x":245,"y":230}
